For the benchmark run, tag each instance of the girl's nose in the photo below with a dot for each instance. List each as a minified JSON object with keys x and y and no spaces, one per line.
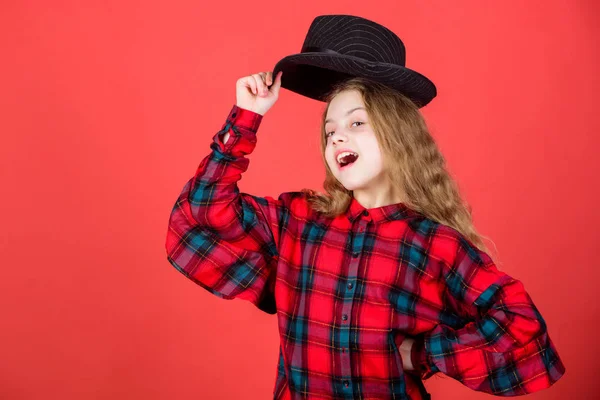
{"x":338,"y":135}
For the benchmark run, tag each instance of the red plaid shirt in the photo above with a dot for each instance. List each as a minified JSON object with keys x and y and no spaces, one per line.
{"x":348,"y":290}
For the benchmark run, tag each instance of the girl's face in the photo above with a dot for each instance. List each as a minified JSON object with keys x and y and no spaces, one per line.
{"x":348,"y":127}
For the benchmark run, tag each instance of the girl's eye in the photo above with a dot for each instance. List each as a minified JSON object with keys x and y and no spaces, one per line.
{"x":356,"y":122}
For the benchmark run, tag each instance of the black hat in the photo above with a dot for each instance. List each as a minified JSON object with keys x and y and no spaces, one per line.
{"x":338,"y":47}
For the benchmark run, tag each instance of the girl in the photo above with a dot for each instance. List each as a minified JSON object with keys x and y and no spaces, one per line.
{"x":379,"y":283}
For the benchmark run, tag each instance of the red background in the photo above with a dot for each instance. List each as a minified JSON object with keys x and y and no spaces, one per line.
{"x":107,"y":108}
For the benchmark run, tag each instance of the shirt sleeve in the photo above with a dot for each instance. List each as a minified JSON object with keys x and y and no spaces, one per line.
{"x":224,"y":240}
{"x":504,"y":349}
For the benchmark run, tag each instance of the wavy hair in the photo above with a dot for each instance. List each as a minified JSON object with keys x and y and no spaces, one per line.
{"x":411,"y":161}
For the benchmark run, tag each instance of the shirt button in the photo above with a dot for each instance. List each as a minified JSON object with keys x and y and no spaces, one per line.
{"x":365,"y":213}
{"x":346,"y":383}
{"x":345,"y":317}
{"x":350,"y":285}
{"x":233,"y":115}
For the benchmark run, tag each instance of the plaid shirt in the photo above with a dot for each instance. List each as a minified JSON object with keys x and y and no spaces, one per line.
{"x":348,"y":290}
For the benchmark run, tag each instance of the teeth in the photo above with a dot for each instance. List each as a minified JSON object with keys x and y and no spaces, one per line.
{"x":344,"y":154}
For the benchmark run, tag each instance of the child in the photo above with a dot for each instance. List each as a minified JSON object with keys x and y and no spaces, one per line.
{"x":383,"y":281}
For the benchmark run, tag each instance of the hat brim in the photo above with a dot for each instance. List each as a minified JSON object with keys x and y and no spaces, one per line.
{"x":314,"y":74}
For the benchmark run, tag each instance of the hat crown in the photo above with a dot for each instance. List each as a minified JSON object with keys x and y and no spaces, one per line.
{"x":354,"y":36}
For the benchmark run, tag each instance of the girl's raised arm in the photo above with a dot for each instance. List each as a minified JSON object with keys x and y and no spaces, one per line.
{"x":224,"y":240}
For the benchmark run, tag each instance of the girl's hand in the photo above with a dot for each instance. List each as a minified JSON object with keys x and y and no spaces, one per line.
{"x":253,"y":92}
{"x":405,"y":350}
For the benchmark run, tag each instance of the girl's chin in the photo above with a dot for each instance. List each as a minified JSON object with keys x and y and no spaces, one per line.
{"x":350,"y":184}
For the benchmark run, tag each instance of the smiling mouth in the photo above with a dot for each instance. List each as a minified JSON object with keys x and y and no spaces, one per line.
{"x":347,"y":161}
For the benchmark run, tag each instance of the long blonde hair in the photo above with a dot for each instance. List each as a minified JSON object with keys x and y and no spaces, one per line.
{"x":410,"y":153}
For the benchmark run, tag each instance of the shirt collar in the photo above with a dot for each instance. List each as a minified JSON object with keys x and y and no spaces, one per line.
{"x":390,"y":212}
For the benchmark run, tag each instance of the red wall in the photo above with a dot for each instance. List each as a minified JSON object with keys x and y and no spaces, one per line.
{"x":106,"y":109}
